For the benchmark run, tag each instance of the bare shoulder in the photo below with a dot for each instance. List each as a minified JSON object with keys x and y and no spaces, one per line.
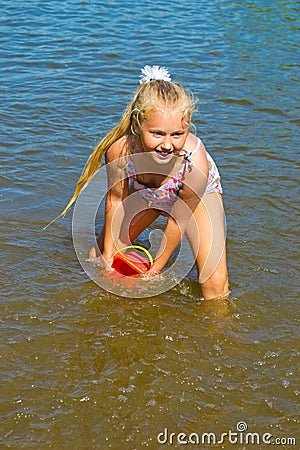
{"x":193,"y":142}
{"x":196,"y":146}
{"x":117,"y":150}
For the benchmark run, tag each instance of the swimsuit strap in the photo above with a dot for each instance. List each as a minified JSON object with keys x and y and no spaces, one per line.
{"x":188,"y":157}
{"x":197,"y":146}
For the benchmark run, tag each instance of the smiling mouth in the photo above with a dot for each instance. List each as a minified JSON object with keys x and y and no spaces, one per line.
{"x":164,"y":154}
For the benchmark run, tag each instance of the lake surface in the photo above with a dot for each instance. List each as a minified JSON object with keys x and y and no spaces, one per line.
{"x":82,"y":368}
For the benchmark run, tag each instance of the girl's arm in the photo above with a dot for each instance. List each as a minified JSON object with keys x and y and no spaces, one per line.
{"x":117,"y":192}
{"x":170,"y":240}
{"x":190,"y":194}
{"x":114,"y":198}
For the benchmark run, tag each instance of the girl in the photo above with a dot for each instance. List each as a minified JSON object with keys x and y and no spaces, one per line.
{"x":157,"y":166}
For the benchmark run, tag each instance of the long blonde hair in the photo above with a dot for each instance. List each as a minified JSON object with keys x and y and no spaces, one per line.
{"x":151,"y":95}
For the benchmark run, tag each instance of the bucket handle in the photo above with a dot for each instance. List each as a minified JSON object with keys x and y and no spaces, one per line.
{"x":138,"y":247}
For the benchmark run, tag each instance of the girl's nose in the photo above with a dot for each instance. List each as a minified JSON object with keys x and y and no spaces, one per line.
{"x":166,"y":144}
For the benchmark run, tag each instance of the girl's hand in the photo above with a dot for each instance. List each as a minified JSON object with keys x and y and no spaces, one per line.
{"x":150,"y":274}
{"x":96,"y":257}
{"x":101,"y":262}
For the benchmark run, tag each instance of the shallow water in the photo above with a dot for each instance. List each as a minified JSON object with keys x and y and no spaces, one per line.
{"x":83,"y":368}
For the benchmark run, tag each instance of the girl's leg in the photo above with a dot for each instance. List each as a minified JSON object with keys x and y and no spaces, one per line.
{"x":129,"y":222}
{"x":133,"y":227}
{"x":206,"y":234}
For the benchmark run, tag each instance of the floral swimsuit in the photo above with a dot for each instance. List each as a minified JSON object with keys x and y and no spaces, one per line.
{"x":163,"y":197}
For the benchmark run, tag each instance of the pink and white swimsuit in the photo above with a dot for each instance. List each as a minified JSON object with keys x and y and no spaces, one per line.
{"x":163,"y":197}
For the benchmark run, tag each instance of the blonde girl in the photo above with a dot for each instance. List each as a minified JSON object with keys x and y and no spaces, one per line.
{"x":157,"y":166}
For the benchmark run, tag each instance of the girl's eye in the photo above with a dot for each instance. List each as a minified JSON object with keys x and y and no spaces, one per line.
{"x":160,"y":133}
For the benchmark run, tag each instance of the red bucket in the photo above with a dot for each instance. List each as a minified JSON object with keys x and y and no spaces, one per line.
{"x":130,"y":263}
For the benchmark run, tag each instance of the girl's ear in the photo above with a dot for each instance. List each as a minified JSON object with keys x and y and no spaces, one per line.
{"x":134,"y":127}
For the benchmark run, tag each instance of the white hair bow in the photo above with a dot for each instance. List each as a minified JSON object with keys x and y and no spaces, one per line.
{"x":154,"y":73}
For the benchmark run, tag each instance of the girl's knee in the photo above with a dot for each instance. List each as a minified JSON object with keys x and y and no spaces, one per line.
{"x":216,"y":286}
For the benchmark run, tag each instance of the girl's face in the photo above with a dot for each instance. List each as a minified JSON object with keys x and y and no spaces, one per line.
{"x":164,"y":133}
